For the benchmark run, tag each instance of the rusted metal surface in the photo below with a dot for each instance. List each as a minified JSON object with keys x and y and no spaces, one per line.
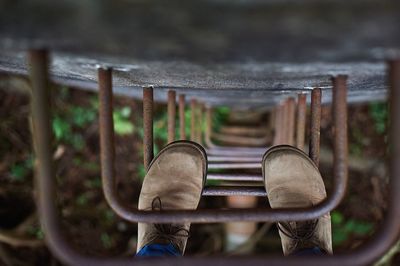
{"x":278,"y":124}
{"x":234,"y":165}
{"x":234,"y":159}
{"x":236,"y":151}
{"x":285,"y":122}
{"x":291,"y":105}
{"x":231,"y":140}
{"x":207,"y":134}
{"x":193,"y":105}
{"x":234,"y":191}
{"x":250,"y":131}
{"x":235,"y":177}
{"x":340,"y":142}
{"x":171,"y":115}
{"x":182,"y":120}
{"x":386,"y":235}
{"x":199,"y":126}
{"x":301,"y":120}
{"x":315,"y":125}
{"x":148,"y":151}
{"x":245,"y":141}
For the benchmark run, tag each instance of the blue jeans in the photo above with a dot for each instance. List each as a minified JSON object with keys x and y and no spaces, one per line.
{"x":160,"y":250}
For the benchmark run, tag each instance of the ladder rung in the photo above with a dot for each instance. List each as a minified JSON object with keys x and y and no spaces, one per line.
{"x":235,"y":177}
{"x":234,"y":191}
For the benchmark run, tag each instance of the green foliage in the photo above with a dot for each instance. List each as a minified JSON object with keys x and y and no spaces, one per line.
{"x":106,"y":240}
{"x":122,"y":122}
{"x":35,"y":232}
{"x":82,"y":199}
{"x":220,"y":115}
{"x":109,"y":216}
{"x":359,"y":141}
{"x":82,"y":116}
{"x":19,"y":171}
{"x":90,"y":166}
{"x":66,"y":122}
{"x":92,"y":183}
{"x":379,"y":113}
{"x":343,"y":229}
{"x":141,"y":172}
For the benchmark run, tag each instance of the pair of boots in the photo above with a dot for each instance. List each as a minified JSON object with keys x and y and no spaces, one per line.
{"x":176,"y":177}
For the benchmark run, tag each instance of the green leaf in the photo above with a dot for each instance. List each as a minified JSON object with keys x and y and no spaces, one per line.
{"x":337,"y":218}
{"x":339,"y":236}
{"x":18,"y":172}
{"x":61,"y":128}
{"x":82,"y":200}
{"x":77,"y":141}
{"x":126,"y":112}
{"x":122,"y":124}
{"x":106,"y":240}
{"x":82,"y":116}
{"x":141,"y":172}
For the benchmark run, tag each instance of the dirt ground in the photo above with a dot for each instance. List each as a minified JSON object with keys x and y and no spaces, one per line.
{"x":91,"y":226}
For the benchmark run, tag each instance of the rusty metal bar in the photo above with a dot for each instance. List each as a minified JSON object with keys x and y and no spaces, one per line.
{"x":241,"y":140}
{"x":182,"y":120}
{"x":285,"y":123}
{"x":207,"y":135}
{"x":250,"y":131}
{"x":148,"y":151}
{"x":193,"y":105}
{"x":235,"y":191}
{"x":278,"y":125}
{"x":45,"y":181}
{"x":49,"y":216}
{"x":230,"y":139}
{"x":301,"y":120}
{"x":171,"y":115}
{"x":236,"y":151}
{"x":234,"y":165}
{"x":234,"y":159}
{"x":315,"y":125}
{"x":199,"y":127}
{"x":236,"y":177}
{"x":291,"y":109}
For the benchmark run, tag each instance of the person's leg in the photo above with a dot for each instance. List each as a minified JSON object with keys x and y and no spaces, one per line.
{"x":292,"y":180}
{"x":174,"y":181}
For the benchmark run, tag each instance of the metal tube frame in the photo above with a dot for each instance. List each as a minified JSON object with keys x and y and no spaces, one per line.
{"x":193,"y":104}
{"x":182,"y":119}
{"x":224,"y":215}
{"x":148,"y":150}
{"x":301,"y":120}
{"x":171,"y":115}
{"x":291,"y":105}
{"x":49,"y":215}
{"x":217,"y":150}
{"x":315,"y":125}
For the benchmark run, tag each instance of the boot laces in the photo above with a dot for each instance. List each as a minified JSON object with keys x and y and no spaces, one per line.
{"x":300,"y":234}
{"x":169,"y":232}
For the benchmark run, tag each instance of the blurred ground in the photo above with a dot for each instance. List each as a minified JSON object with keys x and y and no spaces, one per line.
{"x":93,"y":228}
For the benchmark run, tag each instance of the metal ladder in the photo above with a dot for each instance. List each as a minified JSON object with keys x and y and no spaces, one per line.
{"x":284,"y":116}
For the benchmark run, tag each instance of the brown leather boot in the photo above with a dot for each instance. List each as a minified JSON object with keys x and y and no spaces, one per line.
{"x":292,"y":180}
{"x":174,"y":181}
